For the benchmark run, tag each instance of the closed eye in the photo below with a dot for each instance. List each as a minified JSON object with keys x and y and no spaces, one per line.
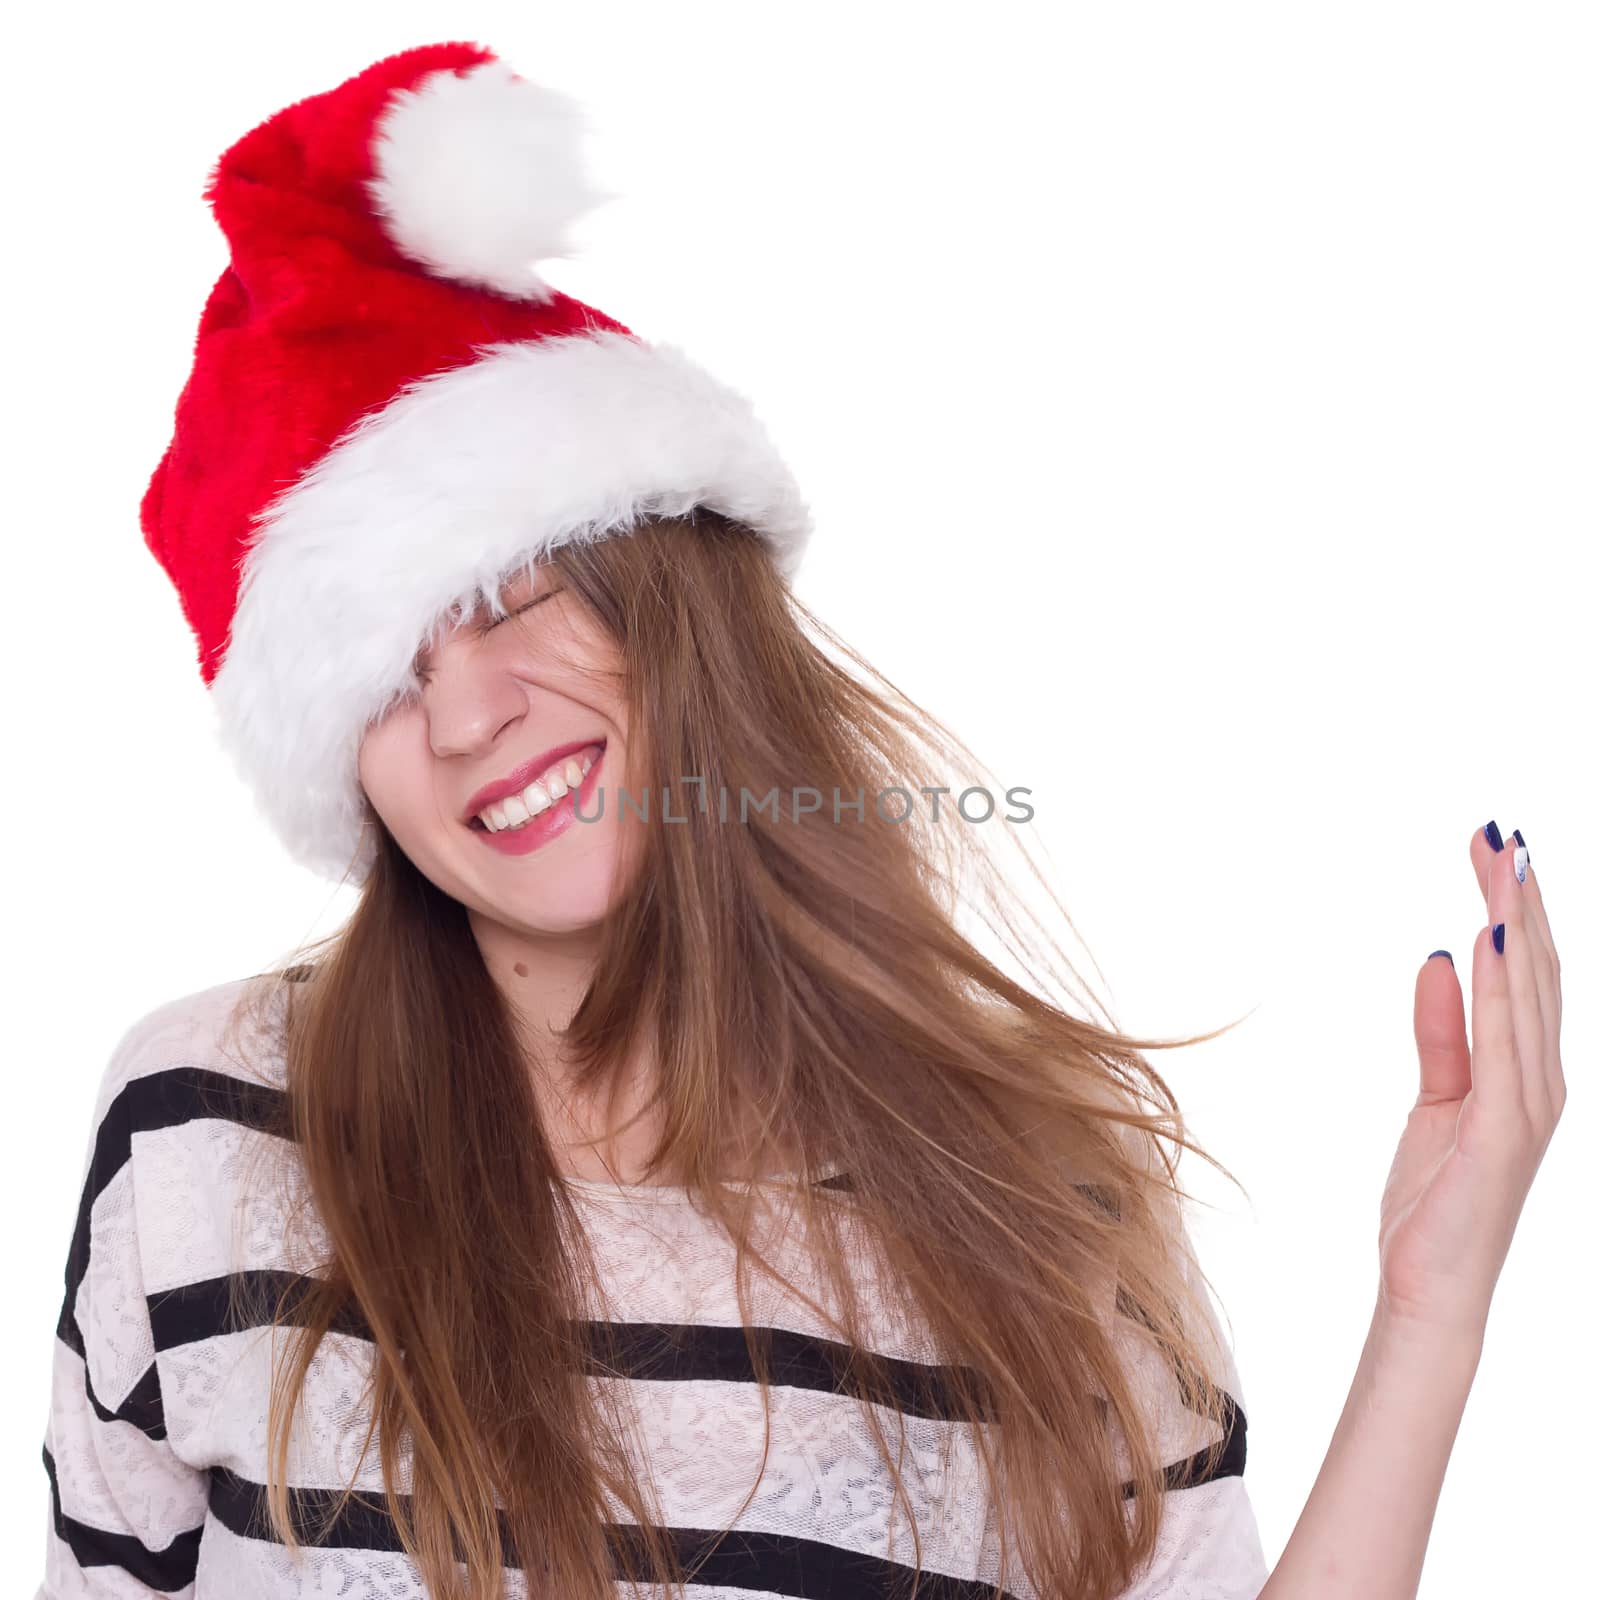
{"x":526,"y":606}
{"x":423,"y":674}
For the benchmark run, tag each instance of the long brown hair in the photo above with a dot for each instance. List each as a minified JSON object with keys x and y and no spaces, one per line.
{"x":1014,"y":1165}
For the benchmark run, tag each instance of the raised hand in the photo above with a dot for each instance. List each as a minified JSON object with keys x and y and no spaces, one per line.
{"x":1484,"y":1113}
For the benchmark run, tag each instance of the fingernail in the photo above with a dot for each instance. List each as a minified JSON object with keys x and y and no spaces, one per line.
{"x":1520,"y":862}
{"x":1500,"y":937}
{"x":1492,"y":834}
{"x":1516,"y":833}
{"x":1446,"y":954}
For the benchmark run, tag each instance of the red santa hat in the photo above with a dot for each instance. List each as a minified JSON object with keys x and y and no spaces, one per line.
{"x":390,"y":411}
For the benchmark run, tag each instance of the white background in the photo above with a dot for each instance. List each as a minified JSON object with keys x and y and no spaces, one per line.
{"x":1199,"y":409}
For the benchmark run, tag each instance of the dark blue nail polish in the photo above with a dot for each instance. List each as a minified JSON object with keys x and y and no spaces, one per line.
{"x":1446,"y":954}
{"x":1516,"y":833}
{"x":1492,"y":834}
{"x":1500,"y":937}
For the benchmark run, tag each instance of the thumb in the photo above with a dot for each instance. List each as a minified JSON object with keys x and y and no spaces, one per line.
{"x":1439,"y":1020}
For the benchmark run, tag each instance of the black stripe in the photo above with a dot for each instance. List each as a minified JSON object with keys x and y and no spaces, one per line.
{"x":1199,"y":1468}
{"x":687,"y":1352}
{"x":669,"y":1352}
{"x":165,"y":1099}
{"x":191,"y":1312}
{"x":160,"y":1100}
{"x":1229,"y":1463}
{"x":655,"y":1351}
{"x":166,"y":1570}
{"x":141,"y":1408}
{"x":777,"y":1563}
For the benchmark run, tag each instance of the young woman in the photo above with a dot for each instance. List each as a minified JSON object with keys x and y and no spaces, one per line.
{"x":654,"y":1181}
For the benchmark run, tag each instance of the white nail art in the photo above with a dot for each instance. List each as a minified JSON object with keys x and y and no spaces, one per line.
{"x":1520,"y":862}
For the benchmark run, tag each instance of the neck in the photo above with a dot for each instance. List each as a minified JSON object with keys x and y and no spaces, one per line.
{"x":595,"y":1135}
{"x":544,"y":978}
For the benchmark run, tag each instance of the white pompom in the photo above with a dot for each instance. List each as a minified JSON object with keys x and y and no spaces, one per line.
{"x":478,"y":174}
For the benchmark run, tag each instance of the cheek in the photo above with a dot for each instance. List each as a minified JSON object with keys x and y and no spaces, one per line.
{"x":388,"y":763}
{"x":574,"y":657}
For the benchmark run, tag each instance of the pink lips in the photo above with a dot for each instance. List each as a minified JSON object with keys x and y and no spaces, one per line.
{"x":515,"y":782}
{"x":555,"y":819}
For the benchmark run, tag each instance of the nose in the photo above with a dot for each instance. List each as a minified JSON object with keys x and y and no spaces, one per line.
{"x":469,"y":705}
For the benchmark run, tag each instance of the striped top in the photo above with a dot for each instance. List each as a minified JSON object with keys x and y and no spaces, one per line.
{"x":155,"y":1441}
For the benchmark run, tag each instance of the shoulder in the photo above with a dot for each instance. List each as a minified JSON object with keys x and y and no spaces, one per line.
{"x":211,"y":1049}
{"x":189,"y":1085}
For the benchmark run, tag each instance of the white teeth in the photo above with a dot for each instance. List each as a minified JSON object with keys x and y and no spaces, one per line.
{"x":540,"y":795}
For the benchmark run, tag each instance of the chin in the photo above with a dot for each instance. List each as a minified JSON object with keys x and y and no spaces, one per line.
{"x":567,"y":898}
{"x":558,"y":914}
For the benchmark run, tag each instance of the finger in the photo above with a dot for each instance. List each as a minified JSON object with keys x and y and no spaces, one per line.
{"x":1540,"y":940}
{"x":1548,"y":969}
{"x":1496,"y":1071}
{"x":1484,"y":846}
{"x":1438,"y":1018}
{"x":1507,"y":910}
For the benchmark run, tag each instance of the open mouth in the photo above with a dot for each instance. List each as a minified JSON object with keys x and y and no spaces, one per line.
{"x":524,"y":809}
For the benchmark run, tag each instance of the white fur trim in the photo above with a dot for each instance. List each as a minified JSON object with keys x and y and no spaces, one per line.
{"x":478,"y":175}
{"x":419,"y":512}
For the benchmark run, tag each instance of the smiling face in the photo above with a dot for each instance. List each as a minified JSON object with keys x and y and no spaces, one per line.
{"x":533,"y":697}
